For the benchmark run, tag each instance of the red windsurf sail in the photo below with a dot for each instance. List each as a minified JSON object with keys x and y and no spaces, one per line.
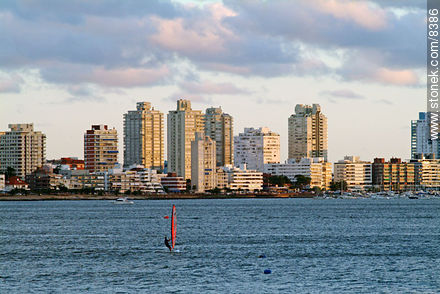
{"x":173,"y":226}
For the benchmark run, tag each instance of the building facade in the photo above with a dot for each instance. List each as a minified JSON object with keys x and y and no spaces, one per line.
{"x":357,"y":173}
{"x":100,"y":148}
{"x":317,"y":169}
{"x":427,"y":173}
{"x":2,"y":182}
{"x":173,"y":183}
{"x":421,"y":143}
{"x":203,"y":163}
{"x":239,"y":179}
{"x":393,"y":175}
{"x":307,"y":131}
{"x":183,"y":124}
{"x":22,"y":149}
{"x":144,"y":137}
{"x":219,"y":127}
{"x":256,"y":147}
{"x":135,"y":179}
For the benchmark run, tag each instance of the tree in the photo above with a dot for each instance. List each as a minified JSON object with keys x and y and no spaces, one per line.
{"x":10,"y":172}
{"x":279,"y":181}
{"x":334,"y":186}
{"x":317,"y":189}
{"x":302,"y":181}
{"x":188,"y":185}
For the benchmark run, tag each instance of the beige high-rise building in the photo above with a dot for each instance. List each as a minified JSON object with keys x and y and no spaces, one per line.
{"x":203,"y":163}
{"x":22,"y":148}
{"x":144,"y":137}
{"x":357,"y":173}
{"x":256,"y":147}
{"x":100,"y":148}
{"x":308,"y":132}
{"x":183,"y":124}
{"x":219,"y":127}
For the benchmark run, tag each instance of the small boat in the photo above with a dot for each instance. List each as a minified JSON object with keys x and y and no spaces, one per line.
{"x":124,"y":200}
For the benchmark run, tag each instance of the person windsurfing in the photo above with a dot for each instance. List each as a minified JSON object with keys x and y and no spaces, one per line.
{"x":167,"y":243}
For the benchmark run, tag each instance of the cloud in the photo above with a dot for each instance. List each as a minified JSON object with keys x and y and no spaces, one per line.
{"x":384,"y":101}
{"x":203,"y":92}
{"x":342,"y":94}
{"x":10,"y":83}
{"x":207,"y":87}
{"x":118,"y":77}
{"x":397,"y":77}
{"x":137,"y":44}
{"x":359,"y":12}
{"x":196,"y":98}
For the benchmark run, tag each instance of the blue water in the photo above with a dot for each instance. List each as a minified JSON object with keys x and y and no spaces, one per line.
{"x":311,"y":246}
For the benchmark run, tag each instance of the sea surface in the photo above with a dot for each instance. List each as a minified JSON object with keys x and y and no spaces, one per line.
{"x":310,"y":246}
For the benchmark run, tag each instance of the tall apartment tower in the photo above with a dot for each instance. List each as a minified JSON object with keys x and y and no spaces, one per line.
{"x":219,"y":127}
{"x":144,"y":137}
{"x":183,"y":124}
{"x":22,"y":148}
{"x":421,"y":142}
{"x":308,"y":132}
{"x":100,"y":148}
{"x":256,"y":147}
{"x":203,"y":163}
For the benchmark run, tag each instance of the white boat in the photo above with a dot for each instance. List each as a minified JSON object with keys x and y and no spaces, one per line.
{"x":124,"y":200}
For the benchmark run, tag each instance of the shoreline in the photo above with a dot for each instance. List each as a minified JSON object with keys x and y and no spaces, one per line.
{"x":49,"y":197}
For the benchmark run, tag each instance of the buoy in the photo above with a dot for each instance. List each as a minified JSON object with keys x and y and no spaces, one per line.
{"x":167,"y":217}
{"x":262,"y":256}
{"x":267,"y":271}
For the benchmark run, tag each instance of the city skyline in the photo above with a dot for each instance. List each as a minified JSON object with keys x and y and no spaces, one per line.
{"x":64,"y":70}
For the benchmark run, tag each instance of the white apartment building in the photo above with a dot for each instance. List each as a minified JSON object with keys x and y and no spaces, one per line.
{"x":256,"y":147}
{"x":203,"y":163}
{"x":241,"y":178}
{"x":144,"y":137}
{"x":22,"y":148}
{"x":136,"y":178}
{"x":357,"y":173}
{"x":317,"y":169}
{"x":219,"y":127}
{"x":100,"y":148}
{"x":182,"y":126}
{"x":308,"y":132}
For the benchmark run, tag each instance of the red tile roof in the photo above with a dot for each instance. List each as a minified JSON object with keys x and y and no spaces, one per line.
{"x":15,"y":181}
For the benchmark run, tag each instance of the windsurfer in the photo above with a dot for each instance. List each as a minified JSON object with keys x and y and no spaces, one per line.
{"x":167,"y":243}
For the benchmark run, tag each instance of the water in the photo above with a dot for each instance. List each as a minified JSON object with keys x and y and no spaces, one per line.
{"x":311,"y":246}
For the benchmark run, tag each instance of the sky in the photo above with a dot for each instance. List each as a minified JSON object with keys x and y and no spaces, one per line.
{"x":65,"y":65}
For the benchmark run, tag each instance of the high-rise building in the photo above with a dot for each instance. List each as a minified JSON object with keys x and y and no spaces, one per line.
{"x":307,"y":132}
{"x":144,"y":137}
{"x":219,"y":127}
{"x":394,"y":175}
{"x":22,"y":148}
{"x":356,"y":173}
{"x":256,"y":147}
{"x":203,"y":163}
{"x":427,"y":172}
{"x":421,"y":142}
{"x":183,"y":124}
{"x":100,"y":148}
{"x":318,"y":170}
